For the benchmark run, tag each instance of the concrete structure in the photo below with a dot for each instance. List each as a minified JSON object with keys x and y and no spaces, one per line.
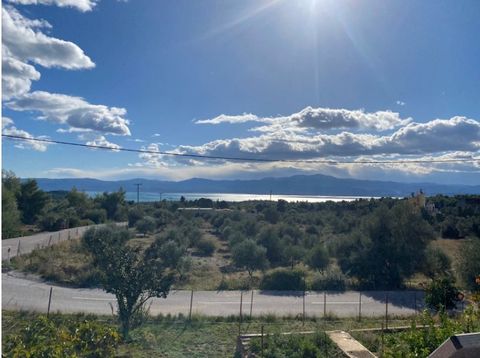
{"x":459,"y":346}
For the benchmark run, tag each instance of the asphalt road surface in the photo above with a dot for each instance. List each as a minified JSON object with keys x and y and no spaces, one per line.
{"x":22,"y":294}
{"x":25,"y":244}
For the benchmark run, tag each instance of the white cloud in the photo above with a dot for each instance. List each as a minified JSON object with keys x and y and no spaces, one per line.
{"x":17,"y":77}
{"x":156,"y":135}
{"x":437,"y":136}
{"x":318,"y":119}
{"x":224,"y":118}
{"x":101,"y":141}
{"x":22,"y":41}
{"x":9,"y":129}
{"x":400,"y":103}
{"x":152,"y":159}
{"x":6,"y":122}
{"x":82,"y":5}
{"x":74,"y":112}
{"x":457,"y":133}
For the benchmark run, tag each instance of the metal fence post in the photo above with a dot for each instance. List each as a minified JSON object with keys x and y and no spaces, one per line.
{"x":415,"y":301}
{"x":360,"y":306}
{"x":240,"y":321}
{"x":49,"y":301}
{"x":251,"y":305}
{"x":241,"y":305}
{"x":324,"y":304}
{"x":191,"y":304}
{"x":303,"y":312}
{"x":386,"y":310}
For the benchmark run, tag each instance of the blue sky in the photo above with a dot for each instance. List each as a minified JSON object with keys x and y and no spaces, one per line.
{"x":297,"y":79}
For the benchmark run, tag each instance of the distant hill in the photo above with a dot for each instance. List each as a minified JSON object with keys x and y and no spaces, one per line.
{"x":297,"y":184}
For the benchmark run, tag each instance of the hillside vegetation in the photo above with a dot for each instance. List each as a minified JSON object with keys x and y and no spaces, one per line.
{"x":368,"y":244}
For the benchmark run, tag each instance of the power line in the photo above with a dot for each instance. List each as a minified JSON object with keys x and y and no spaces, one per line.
{"x":243,"y":159}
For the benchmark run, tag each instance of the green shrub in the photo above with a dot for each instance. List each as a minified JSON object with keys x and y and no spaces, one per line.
{"x":98,"y":216}
{"x":51,"y":222}
{"x":318,"y":258}
{"x":46,"y":338}
{"x":146,"y":225}
{"x":332,"y":279}
{"x":315,"y":345}
{"x":283,"y":280}
{"x":441,"y":293}
{"x":421,"y":341}
{"x":205,"y":247}
{"x":134,"y":214}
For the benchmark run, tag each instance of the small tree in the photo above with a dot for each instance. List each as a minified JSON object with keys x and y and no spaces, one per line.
{"x":146,"y":225}
{"x":318,"y":258}
{"x":31,"y":201}
{"x":249,"y":256}
{"x":10,"y":214}
{"x":469,"y":265}
{"x":441,"y":293}
{"x":205,"y":247}
{"x":437,"y":263}
{"x":131,"y":275}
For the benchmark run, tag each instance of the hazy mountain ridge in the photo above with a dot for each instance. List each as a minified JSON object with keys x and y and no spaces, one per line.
{"x":298,"y":184}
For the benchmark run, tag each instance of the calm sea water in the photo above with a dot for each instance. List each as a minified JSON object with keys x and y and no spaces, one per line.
{"x":148,"y":197}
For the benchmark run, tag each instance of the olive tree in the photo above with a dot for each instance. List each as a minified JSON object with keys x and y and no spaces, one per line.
{"x":132,"y":275}
{"x":250,"y":256}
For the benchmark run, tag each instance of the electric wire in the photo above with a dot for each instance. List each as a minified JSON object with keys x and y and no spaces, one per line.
{"x":242,"y":159}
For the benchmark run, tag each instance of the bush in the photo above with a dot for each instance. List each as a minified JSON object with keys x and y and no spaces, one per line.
{"x":318,"y":258}
{"x":205,"y":247}
{"x":332,"y":279}
{"x":98,"y":216}
{"x":420,"y":341}
{"x":134,"y":214}
{"x":146,"y":225}
{"x":46,"y":338}
{"x":441,"y":294}
{"x":295,"y":345}
{"x":51,"y":222}
{"x":283,"y":280}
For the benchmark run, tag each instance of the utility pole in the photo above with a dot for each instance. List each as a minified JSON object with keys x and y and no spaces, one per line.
{"x":270,"y":195}
{"x":138,"y":191}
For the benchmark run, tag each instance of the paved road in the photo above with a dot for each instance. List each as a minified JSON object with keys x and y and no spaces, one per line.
{"x":22,"y":294}
{"x":11,"y":247}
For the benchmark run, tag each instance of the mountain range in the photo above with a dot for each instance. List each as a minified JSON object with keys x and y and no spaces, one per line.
{"x":298,"y":184}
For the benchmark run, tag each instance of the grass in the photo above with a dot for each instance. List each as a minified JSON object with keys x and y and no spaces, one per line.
{"x":174,"y":336}
{"x":64,"y":263}
{"x":372,"y":340}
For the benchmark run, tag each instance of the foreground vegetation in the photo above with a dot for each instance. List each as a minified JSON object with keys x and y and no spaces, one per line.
{"x":426,"y":333}
{"x":167,"y":336}
{"x":161,"y":336}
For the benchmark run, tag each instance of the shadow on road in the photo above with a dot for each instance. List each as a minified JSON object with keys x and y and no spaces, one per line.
{"x":404,"y":299}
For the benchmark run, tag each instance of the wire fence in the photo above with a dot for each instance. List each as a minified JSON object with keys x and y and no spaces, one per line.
{"x":244,"y":305}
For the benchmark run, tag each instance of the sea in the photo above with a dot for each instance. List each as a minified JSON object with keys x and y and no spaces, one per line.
{"x":151,"y":197}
